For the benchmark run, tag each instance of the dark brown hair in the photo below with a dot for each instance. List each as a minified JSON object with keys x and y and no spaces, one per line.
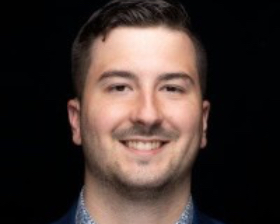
{"x":131,"y":13}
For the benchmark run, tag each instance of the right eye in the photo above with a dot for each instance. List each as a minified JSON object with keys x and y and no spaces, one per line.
{"x":119,"y":88}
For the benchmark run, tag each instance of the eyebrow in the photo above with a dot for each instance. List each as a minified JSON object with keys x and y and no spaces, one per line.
{"x":117,"y":73}
{"x":175,"y":75}
{"x":129,"y":75}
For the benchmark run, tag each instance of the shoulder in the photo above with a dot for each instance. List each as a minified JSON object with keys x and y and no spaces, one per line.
{"x":69,"y":217}
{"x":199,"y":217}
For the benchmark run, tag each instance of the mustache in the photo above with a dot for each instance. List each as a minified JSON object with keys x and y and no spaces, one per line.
{"x":155,"y":130}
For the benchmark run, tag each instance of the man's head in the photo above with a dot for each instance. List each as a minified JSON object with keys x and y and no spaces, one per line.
{"x":142,"y":117}
{"x":131,"y":13}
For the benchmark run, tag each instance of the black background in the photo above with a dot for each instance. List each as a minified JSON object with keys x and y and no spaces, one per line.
{"x":42,"y":171}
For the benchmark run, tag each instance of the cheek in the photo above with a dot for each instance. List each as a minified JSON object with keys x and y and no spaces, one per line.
{"x":186,"y":116}
{"x":105,"y":117}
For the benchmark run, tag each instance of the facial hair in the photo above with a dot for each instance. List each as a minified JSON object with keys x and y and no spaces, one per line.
{"x":126,"y":189}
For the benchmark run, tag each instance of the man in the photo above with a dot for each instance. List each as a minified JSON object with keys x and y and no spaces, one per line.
{"x":140,"y":114}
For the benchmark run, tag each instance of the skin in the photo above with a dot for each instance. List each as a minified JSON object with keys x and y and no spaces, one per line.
{"x":147,"y":78}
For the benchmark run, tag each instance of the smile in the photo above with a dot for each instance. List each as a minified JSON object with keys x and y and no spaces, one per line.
{"x":142,"y":145}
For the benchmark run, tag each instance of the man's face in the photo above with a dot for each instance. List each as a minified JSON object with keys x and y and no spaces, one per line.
{"x":142,"y":118}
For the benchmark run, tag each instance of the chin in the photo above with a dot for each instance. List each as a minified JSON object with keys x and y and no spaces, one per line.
{"x":147,"y":191}
{"x":144,"y":187}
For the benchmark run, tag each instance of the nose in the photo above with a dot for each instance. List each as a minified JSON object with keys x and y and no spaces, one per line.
{"x":147,"y":110}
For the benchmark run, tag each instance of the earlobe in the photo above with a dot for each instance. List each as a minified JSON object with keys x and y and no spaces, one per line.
{"x":205,"y":115}
{"x":73,"y":108}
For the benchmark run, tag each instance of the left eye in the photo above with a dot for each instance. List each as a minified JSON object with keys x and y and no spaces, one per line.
{"x":173,"y":89}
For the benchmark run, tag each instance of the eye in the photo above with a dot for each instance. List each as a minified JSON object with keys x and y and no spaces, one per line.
{"x":119,"y":88}
{"x":173,"y":89}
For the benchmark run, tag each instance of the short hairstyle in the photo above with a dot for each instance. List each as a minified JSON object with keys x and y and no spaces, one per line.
{"x":132,"y":13}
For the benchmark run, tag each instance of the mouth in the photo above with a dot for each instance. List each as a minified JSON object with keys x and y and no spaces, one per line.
{"x":144,"y":145}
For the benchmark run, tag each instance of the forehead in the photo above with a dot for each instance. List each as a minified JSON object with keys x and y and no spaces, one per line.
{"x":152,"y":50}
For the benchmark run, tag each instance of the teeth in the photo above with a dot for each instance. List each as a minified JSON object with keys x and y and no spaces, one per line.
{"x":145,"y":146}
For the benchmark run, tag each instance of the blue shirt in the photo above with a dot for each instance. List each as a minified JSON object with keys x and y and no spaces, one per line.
{"x":78,"y":214}
{"x":83,"y":216}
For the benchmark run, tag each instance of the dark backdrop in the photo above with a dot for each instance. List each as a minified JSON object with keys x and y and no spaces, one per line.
{"x":41,"y":170}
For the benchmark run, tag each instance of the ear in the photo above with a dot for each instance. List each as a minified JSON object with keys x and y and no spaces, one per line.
{"x":205,"y":114}
{"x":74,"y":116}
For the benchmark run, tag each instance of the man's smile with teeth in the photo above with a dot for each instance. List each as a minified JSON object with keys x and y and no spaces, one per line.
{"x":143,"y":145}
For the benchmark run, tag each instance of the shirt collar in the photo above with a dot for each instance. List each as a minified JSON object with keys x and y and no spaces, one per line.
{"x":83,"y":216}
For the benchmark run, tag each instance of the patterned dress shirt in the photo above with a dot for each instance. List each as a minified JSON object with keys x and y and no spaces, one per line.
{"x":83,"y":216}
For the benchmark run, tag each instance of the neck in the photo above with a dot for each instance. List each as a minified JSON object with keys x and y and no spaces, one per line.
{"x":106,"y":205}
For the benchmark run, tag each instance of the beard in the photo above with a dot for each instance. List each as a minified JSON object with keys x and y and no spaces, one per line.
{"x":128,"y":189}
{"x":137,"y":189}
{"x":133,"y":186}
